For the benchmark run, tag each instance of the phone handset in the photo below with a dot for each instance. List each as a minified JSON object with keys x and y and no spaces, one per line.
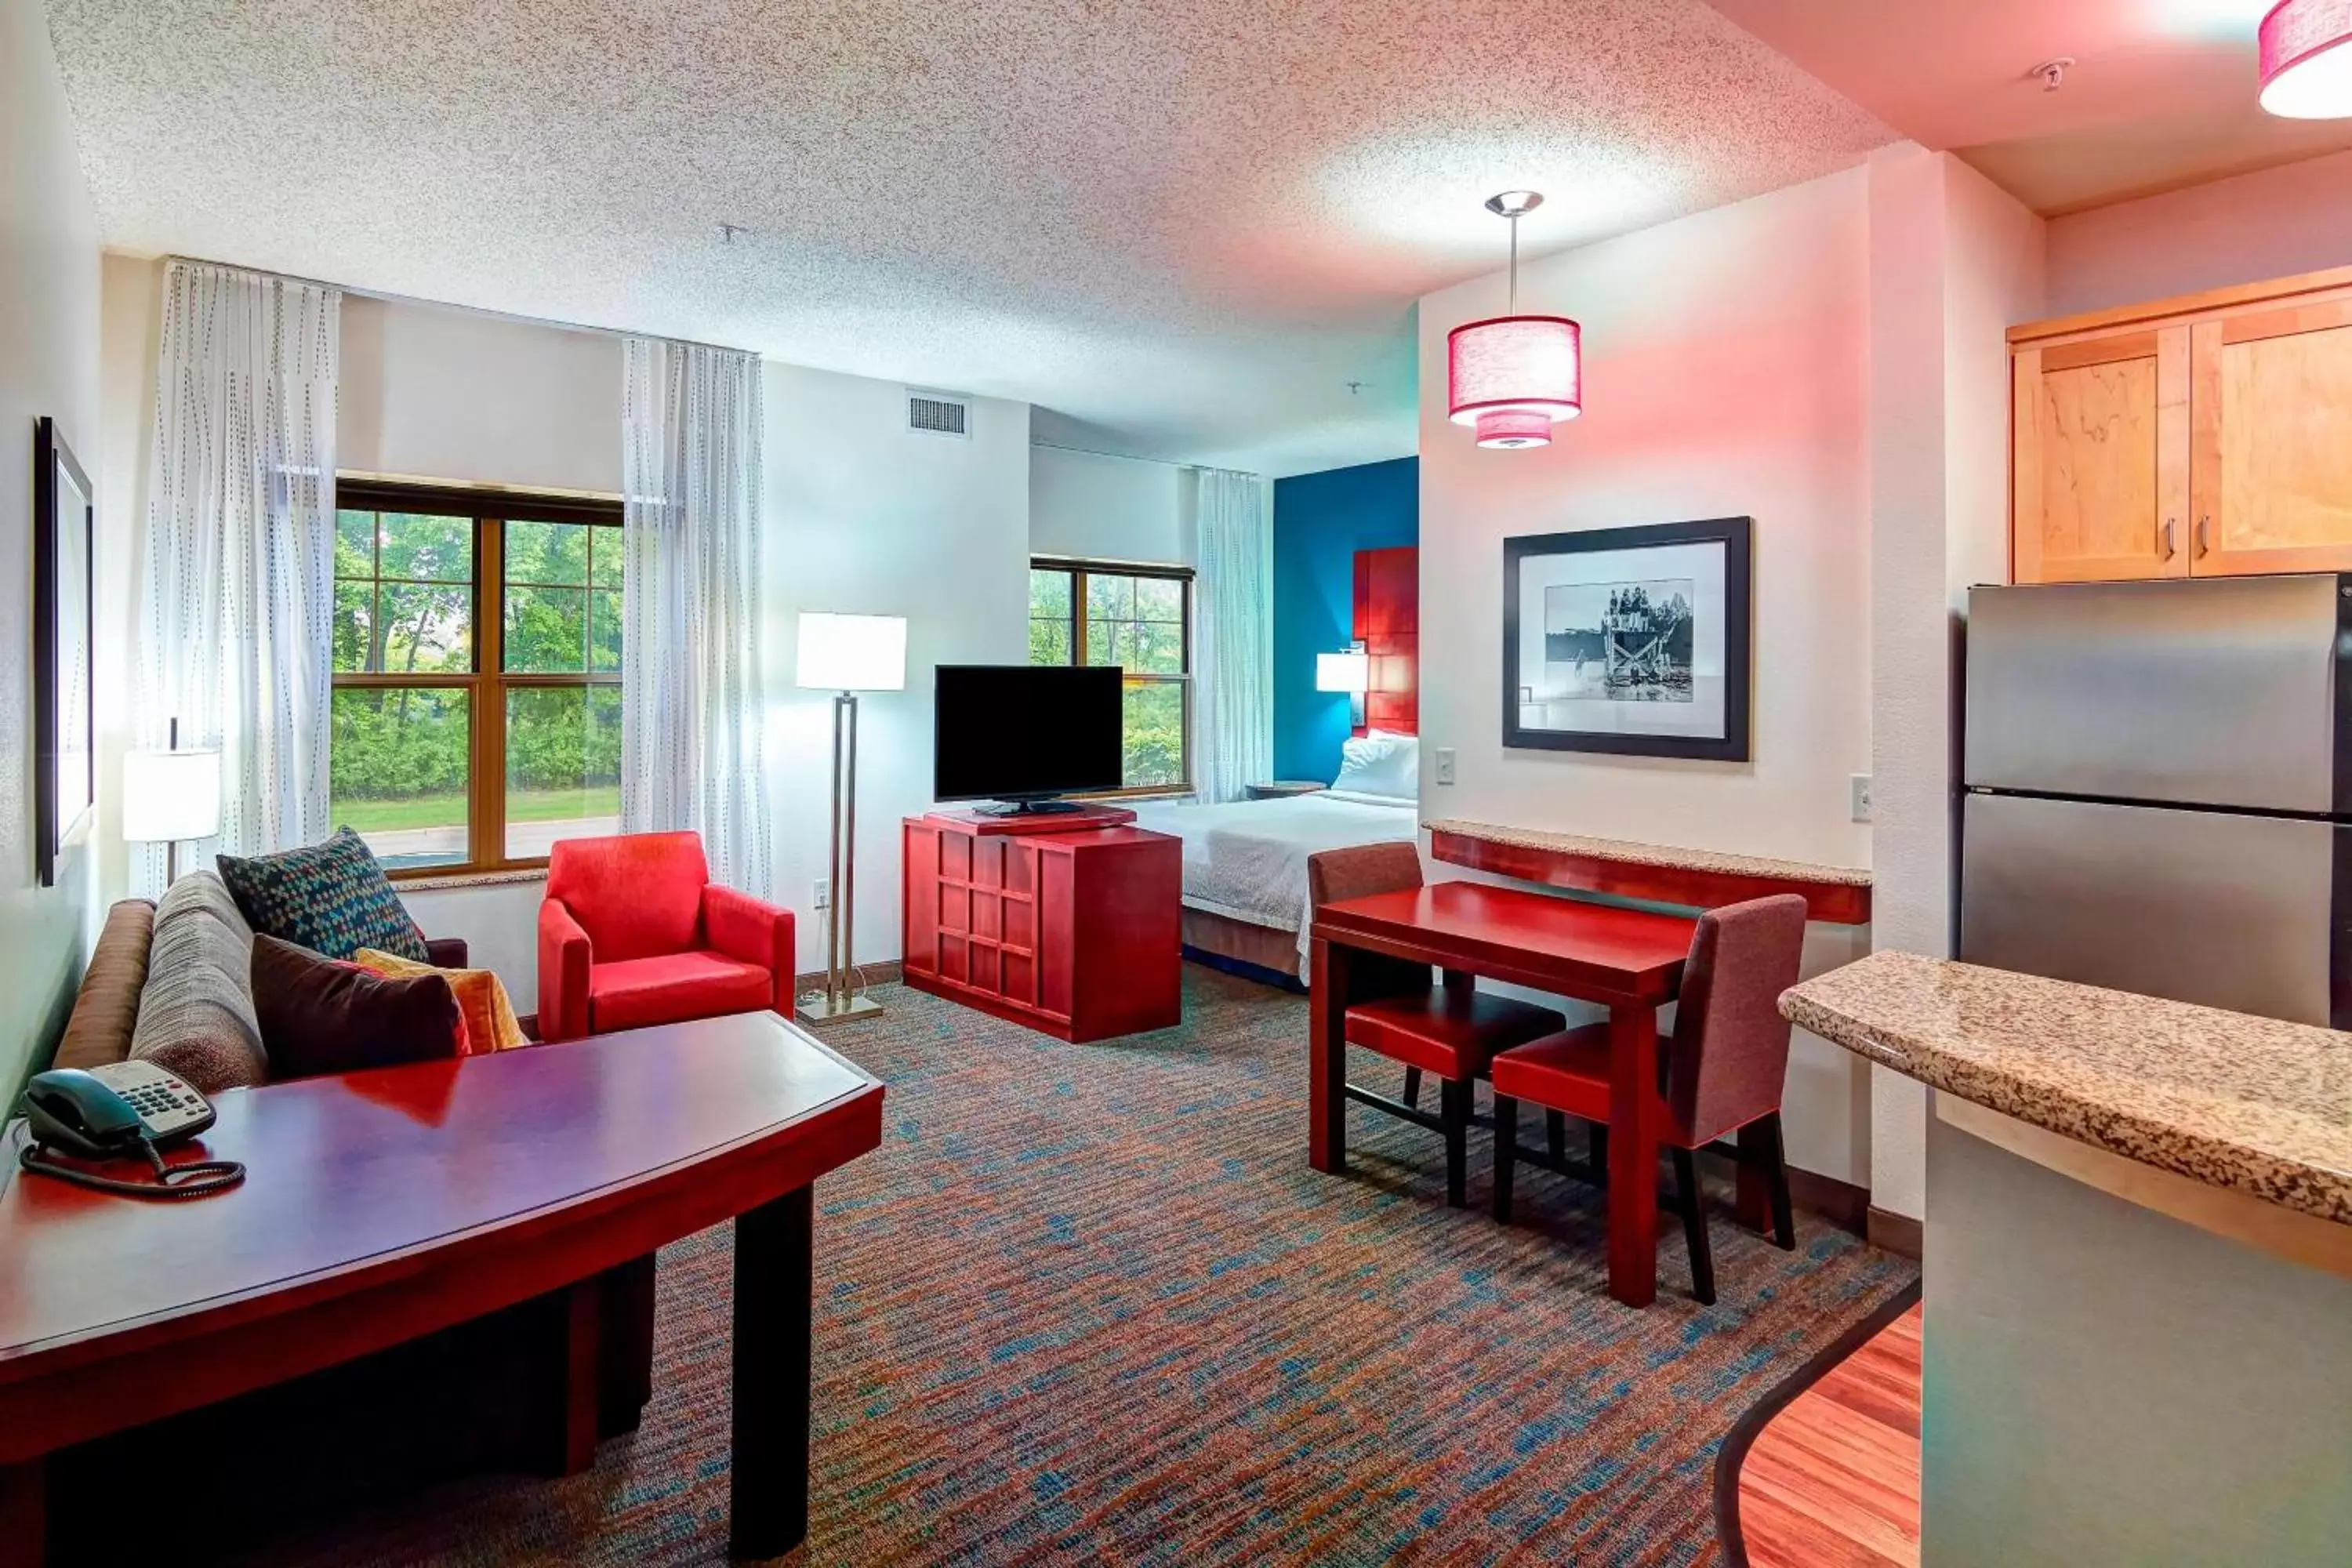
{"x":119,"y":1111}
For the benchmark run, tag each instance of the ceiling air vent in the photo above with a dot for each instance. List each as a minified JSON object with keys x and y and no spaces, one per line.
{"x":930,"y":414}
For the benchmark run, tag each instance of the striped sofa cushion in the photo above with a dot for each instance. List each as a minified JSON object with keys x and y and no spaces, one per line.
{"x":195,"y":1015}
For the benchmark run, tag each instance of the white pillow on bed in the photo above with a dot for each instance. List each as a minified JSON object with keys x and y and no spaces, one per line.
{"x":1380,"y":763}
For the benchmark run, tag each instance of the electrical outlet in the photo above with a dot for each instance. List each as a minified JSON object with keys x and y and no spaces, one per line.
{"x":1445,"y":764}
{"x":1860,"y":785}
{"x":824,"y":893}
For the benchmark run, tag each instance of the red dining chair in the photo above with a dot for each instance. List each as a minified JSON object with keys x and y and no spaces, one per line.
{"x":1721,"y":1070}
{"x":1451,"y":1031}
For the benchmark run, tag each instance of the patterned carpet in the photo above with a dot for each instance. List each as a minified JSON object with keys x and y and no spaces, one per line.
{"x":1089,"y":1304}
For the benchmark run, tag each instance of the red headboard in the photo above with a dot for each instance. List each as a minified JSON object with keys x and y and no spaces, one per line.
{"x":1388,"y":623}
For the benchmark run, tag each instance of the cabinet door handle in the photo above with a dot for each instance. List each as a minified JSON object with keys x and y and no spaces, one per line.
{"x":2169,"y":551}
{"x":2204,"y":535}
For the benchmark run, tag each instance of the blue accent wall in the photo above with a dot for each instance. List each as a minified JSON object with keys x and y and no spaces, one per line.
{"x":1320,"y":521}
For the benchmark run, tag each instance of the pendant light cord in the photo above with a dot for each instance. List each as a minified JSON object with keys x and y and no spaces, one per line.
{"x":1513,"y":307}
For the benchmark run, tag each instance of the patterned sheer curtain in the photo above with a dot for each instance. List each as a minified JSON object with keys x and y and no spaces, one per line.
{"x":693,"y":703}
{"x":1234,"y":651}
{"x":237,"y":556}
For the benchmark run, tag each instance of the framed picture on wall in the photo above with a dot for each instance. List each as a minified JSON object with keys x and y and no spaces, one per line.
{"x":1631,"y":640}
{"x":65,"y":776}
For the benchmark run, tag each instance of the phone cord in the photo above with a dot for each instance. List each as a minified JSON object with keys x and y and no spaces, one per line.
{"x":196,"y":1179}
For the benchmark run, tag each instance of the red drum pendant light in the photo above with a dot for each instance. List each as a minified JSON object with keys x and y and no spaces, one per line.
{"x":1512,"y":376}
{"x":2306,"y":48}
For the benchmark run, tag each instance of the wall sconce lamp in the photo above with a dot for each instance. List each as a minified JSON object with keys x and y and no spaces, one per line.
{"x":1350,"y":670}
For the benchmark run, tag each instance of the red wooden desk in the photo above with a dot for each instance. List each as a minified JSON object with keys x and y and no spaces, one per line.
{"x":384,"y":1205}
{"x":1628,"y":960}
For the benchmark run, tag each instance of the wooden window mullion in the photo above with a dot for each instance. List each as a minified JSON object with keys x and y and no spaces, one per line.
{"x":487,"y":804}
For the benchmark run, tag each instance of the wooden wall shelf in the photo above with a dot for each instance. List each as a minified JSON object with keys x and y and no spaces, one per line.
{"x":1693,"y":878}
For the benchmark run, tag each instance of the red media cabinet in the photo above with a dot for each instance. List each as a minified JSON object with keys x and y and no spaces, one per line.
{"x":1072,"y":925}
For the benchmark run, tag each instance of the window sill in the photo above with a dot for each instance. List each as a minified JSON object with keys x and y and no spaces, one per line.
{"x":434,"y":884}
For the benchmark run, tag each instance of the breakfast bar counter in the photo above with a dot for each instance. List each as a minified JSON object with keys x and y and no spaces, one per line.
{"x":2138,"y":1267}
{"x":2245,"y":1104}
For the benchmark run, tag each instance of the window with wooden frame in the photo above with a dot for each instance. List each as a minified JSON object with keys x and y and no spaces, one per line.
{"x":477,"y":674}
{"x":1140,"y":618}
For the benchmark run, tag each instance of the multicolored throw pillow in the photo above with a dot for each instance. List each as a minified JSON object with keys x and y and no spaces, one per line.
{"x":490,"y":1022}
{"x":330,"y":897}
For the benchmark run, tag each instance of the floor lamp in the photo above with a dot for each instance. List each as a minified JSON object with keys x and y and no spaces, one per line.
{"x":846,"y":655}
{"x":170,"y":796}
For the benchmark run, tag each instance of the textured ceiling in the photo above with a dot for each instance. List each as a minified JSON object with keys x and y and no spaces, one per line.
{"x":2162,"y":93}
{"x":1181,"y":228}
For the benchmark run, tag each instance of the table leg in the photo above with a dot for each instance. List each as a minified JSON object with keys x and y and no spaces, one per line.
{"x":624,"y":1345}
{"x":1326,"y":1056}
{"x":769,"y":1501}
{"x":1633,"y":1154}
{"x":24,"y":1512}
{"x":565,"y":1422}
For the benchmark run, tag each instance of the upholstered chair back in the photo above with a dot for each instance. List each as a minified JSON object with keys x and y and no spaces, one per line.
{"x":1358,"y":872}
{"x":1731,"y":1045}
{"x":637,"y":895}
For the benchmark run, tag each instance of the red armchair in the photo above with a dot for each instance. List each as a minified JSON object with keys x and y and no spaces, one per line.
{"x":633,"y":932}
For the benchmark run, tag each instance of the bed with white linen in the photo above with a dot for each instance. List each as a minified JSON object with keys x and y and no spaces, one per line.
{"x":1245,"y":893}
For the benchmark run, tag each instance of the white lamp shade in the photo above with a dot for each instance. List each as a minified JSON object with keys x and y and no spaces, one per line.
{"x":1348,"y":672}
{"x":169,"y":796}
{"x":853,"y":653}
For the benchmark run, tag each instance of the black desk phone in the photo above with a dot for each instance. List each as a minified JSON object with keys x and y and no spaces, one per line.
{"x":122,"y":1110}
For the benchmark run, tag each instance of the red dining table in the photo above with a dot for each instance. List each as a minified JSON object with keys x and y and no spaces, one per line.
{"x":1628,"y":960}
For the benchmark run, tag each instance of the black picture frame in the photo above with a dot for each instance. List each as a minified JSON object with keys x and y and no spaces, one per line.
{"x":65,"y":720}
{"x":1736,"y":535}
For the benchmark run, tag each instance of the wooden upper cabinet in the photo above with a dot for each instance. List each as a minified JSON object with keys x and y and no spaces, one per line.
{"x":2272,"y":459}
{"x":2098,"y":493}
{"x":2204,"y":436}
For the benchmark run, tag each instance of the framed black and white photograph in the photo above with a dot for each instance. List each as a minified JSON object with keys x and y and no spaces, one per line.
{"x":65,"y":779}
{"x":1631,"y":640}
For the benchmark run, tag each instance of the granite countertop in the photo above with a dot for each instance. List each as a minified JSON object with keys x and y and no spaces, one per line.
{"x":2250,"y":1104}
{"x":1659,"y":854}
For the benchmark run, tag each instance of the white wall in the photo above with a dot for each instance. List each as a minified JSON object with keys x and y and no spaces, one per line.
{"x":1953,"y":262}
{"x":130,"y":317}
{"x":1725,"y":374}
{"x":2272,"y":223}
{"x":48,"y":365}
{"x":431,"y":391}
{"x":1096,"y":508}
{"x":866,"y":517}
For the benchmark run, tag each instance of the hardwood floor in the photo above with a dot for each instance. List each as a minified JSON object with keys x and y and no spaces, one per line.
{"x":1832,"y":1479}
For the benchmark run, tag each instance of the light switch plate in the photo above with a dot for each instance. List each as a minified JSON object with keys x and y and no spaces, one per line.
{"x":1445,"y":764}
{"x":1860,"y":785}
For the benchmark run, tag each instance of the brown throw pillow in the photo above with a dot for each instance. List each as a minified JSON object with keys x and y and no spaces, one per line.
{"x":323,"y":1015}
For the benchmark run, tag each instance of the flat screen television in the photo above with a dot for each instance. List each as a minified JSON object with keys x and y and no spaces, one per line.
{"x":1027,"y":733}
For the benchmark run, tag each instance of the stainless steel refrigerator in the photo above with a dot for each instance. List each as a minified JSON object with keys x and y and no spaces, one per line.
{"x":2158,"y":789}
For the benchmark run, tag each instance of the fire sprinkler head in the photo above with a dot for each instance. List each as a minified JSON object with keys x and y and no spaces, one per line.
{"x":2053,"y":72}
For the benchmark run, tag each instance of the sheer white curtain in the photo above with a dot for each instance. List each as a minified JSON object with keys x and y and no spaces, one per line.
{"x":238,"y":554}
{"x":1234,"y":651}
{"x":692,"y":700}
